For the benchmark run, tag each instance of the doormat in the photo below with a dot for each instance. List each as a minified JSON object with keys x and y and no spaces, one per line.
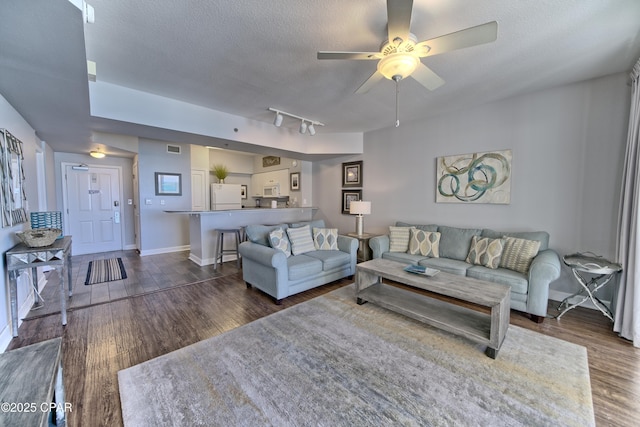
{"x":105,"y":270}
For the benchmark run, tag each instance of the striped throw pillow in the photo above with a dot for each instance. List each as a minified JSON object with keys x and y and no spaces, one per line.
{"x":518,"y":254}
{"x":485,"y":251}
{"x":398,"y":239}
{"x":301,"y":240}
{"x":426,"y":243}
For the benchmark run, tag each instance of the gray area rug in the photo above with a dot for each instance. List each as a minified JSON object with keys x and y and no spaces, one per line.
{"x":331,"y":362}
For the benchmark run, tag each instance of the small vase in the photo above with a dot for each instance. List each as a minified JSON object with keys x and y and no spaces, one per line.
{"x":221,"y":181}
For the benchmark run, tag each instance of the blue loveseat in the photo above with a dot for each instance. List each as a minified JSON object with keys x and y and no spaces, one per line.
{"x":273,"y":272}
{"x":529,"y":285}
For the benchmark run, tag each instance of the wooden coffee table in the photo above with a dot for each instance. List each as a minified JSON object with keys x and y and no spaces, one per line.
{"x":488,"y":329}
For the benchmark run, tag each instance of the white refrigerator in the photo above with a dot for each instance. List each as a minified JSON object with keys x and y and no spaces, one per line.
{"x":225,"y":196}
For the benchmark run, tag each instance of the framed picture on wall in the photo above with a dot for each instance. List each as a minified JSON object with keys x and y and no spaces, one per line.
{"x":349,"y":196}
{"x":243,"y":191}
{"x":294,"y":181}
{"x":352,"y":174}
{"x":168,"y":184}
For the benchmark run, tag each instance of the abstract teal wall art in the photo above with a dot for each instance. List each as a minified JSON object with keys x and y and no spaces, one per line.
{"x":474,"y":178}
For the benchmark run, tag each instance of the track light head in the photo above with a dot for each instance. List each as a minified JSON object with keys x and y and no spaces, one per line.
{"x":303,"y":127}
{"x":278,"y":120}
{"x":312,"y":129}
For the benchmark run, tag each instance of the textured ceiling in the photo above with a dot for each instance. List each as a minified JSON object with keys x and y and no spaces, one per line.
{"x":244,"y":56}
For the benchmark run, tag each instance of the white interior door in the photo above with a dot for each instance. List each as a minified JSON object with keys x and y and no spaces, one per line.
{"x":94,"y":209}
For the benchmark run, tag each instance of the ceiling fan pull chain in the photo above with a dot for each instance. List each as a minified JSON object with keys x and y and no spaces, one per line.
{"x":397,"y":79}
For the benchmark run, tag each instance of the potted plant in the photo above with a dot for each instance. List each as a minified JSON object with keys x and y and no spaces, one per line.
{"x":221,"y":172}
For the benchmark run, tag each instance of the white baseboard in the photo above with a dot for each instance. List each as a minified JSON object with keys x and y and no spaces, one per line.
{"x":165,"y":250}
{"x":560,"y":296}
{"x":7,"y":335}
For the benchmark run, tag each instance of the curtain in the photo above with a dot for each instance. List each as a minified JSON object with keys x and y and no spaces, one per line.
{"x":627,"y":318}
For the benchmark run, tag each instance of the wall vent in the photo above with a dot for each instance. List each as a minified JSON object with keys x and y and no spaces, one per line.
{"x":173,"y":149}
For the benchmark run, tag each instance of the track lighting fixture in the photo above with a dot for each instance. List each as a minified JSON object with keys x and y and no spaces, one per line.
{"x":305,"y":124}
{"x":278,"y":120}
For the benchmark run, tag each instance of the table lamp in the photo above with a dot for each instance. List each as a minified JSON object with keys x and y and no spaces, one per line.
{"x":360,"y":208}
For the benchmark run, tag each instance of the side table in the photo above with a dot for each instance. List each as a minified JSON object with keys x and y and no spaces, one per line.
{"x":21,"y":256}
{"x":602,"y":270}
{"x":364,"y":252}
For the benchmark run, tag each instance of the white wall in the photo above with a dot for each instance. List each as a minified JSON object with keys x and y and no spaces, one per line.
{"x":568,"y":150}
{"x":11,"y":120}
{"x":160,"y":231}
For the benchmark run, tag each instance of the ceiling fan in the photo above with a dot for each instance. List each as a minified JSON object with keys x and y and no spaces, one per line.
{"x":400,"y":54}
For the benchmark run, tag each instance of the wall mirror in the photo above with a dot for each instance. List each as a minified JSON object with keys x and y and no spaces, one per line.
{"x":13,"y":195}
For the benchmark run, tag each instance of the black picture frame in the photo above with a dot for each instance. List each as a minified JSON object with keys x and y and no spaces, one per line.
{"x":168,"y":184}
{"x":352,"y":174}
{"x":349,"y":196}
{"x":243,"y":191}
{"x":294,"y":181}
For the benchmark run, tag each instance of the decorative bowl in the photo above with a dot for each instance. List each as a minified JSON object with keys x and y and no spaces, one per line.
{"x":39,"y":237}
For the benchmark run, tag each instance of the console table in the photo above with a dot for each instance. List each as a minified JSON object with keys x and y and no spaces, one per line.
{"x":31,"y":385}
{"x":21,"y":256}
{"x":602,"y":270}
{"x":488,"y":329}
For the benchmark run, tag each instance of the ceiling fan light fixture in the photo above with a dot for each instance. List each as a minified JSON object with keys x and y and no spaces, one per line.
{"x":398,"y":64}
{"x":97,"y":154}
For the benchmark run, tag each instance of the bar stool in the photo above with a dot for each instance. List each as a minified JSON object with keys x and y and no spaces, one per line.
{"x":220,"y":250}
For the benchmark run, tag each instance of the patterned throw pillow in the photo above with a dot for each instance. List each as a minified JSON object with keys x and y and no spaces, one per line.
{"x":301,"y":240}
{"x":279,"y":240}
{"x":398,"y":239}
{"x":518,"y":254}
{"x":325,"y":239}
{"x":426,"y":243}
{"x":485,"y":251}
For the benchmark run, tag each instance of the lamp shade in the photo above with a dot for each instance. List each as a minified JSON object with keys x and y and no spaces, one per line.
{"x":360,"y":207}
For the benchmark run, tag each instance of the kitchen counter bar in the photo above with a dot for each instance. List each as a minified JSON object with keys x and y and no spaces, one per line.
{"x":202,"y":226}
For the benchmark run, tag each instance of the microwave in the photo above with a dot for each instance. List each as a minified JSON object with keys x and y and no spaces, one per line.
{"x":271,"y":190}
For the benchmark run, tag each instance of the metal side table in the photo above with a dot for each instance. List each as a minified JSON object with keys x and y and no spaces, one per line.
{"x":56,"y":255}
{"x":602,"y":270}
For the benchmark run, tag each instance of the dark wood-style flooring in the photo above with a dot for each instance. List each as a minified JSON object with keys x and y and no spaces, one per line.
{"x":114,"y":333}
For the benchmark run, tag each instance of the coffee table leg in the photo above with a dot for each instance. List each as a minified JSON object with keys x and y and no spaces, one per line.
{"x":491,"y":352}
{"x":364,"y":279}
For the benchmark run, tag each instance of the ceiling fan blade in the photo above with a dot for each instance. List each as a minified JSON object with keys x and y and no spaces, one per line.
{"x":399,"y":18}
{"x":481,"y":34}
{"x":371,"y":81}
{"x":427,"y":78}
{"x":349,"y":55}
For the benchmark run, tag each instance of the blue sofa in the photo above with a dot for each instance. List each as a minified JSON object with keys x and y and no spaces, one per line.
{"x":529,"y":288}
{"x":280,"y":276}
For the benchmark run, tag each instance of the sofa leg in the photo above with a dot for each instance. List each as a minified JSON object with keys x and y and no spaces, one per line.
{"x":537,"y":319}
{"x":248,"y":285}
